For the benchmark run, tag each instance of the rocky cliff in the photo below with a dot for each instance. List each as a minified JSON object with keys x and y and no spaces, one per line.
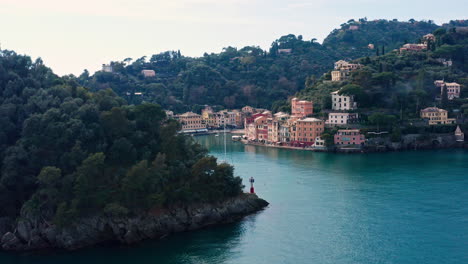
{"x":28,"y":235}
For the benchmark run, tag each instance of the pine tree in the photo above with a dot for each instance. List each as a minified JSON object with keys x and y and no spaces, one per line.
{"x":444,"y":99}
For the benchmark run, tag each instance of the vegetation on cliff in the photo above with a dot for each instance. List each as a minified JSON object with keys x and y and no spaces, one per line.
{"x":66,"y":152}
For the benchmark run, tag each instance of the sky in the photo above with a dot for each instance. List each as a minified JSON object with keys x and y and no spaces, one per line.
{"x":73,"y":35}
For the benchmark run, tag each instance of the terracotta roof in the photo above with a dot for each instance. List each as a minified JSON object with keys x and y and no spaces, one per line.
{"x":433,"y":109}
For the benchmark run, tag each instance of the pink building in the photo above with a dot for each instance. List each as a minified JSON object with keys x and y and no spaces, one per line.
{"x":301,"y":108}
{"x":413,"y":47}
{"x":255,"y":126}
{"x":349,"y":137}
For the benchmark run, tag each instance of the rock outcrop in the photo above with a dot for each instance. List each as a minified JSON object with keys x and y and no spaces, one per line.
{"x":89,"y":231}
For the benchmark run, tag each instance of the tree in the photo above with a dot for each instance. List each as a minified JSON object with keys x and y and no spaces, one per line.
{"x":444,"y":97}
{"x":382,"y":120}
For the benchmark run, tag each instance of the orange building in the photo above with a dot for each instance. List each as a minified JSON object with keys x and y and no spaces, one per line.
{"x":304,"y":131}
{"x":301,"y":108}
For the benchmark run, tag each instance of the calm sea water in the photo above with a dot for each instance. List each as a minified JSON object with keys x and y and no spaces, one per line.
{"x":408,"y":207}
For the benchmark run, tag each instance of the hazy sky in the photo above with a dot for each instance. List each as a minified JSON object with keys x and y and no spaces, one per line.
{"x":73,"y":35}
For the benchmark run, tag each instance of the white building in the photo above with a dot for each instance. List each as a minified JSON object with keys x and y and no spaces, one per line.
{"x":338,"y":119}
{"x":343,"y":102}
{"x":107,"y":68}
{"x":319,"y":143}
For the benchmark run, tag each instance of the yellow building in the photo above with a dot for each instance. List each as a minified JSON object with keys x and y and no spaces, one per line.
{"x":191,"y":121}
{"x":436,"y":116}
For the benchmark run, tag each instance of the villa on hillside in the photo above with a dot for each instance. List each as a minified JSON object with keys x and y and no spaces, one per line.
{"x":453,"y":89}
{"x":343,"y":102}
{"x":148,"y":73}
{"x":413,"y":47}
{"x":107,"y":68}
{"x":436,"y":116}
{"x":343,"y":69}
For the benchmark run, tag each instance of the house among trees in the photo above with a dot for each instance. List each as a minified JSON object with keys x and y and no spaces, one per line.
{"x":342,"y":102}
{"x":436,"y":116}
{"x":343,"y":69}
{"x":284,"y":51}
{"x":413,"y":47}
{"x":107,"y":68}
{"x":453,"y":89}
{"x":148,"y":73}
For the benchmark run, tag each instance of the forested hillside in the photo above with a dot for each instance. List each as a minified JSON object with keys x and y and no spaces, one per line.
{"x":403,"y":83}
{"x":248,"y":76}
{"x":66,"y":152}
{"x":352,"y":39}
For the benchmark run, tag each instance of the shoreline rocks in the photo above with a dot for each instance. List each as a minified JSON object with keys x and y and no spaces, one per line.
{"x":89,"y":231}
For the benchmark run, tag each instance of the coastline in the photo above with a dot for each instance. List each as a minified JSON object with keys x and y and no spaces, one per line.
{"x":395,"y":147}
{"x":33,"y":235}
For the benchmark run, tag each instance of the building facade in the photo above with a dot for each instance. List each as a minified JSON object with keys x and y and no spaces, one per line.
{"x":341,"y":119}
{"x":304,"y":131}
{"x":349,"y":137}
{"x":191,"y":121}
{"x":436,"y":116}
{"x":301,"y":108}
{"x":342,"y":102}
{"x":453,"y":90}
{"x":343,"y":69}
{"x":148,"y":73}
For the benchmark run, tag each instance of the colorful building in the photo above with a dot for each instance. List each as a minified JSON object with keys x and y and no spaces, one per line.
{"x":301,"y":108}
{"x":436,"y":116}
{"x":191,"y":122}
{"x":349,"y":137}
{"x":255,"y":126}
{"x":304,"y":131}
{"x":413,"y":47}
{"x":343,"y":69}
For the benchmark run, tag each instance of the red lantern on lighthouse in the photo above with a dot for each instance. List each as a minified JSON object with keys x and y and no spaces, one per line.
{"x":252,"y":180}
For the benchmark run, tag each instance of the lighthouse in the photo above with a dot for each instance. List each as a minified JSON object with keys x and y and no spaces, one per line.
{"x":252,"y":180}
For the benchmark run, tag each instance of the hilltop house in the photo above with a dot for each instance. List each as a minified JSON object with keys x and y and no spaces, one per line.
{"x":107,"y":68}
{"x":413,"y":47}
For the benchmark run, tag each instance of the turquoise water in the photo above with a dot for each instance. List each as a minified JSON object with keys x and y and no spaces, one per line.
{"x":407,"y":207}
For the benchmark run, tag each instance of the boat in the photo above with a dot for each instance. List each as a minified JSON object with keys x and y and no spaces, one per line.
{"x":236,"y":138}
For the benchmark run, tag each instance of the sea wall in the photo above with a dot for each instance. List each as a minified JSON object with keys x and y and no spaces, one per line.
{"x":28,"y":235}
